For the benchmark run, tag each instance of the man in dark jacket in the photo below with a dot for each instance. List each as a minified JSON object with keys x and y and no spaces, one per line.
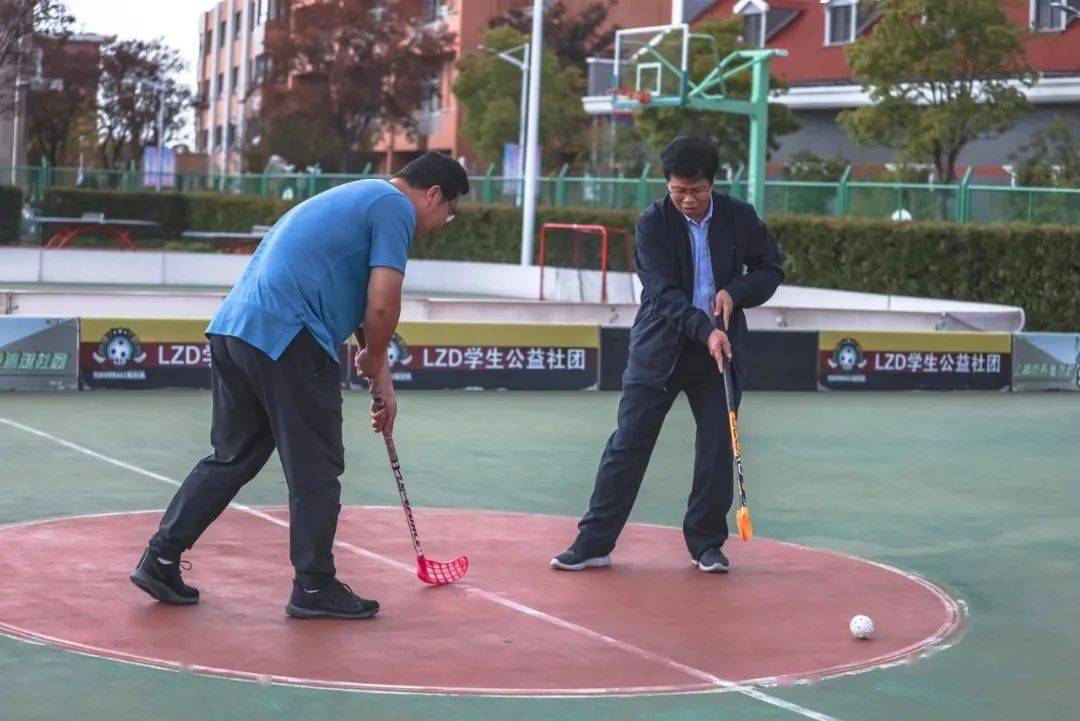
{"x":702,"y":257}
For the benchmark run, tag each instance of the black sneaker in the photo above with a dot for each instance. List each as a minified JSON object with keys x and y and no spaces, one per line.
{"x":334,"y":600}
{"x":571,"y":560}
{"x":712,"y":561}
{"x":162,"y":580}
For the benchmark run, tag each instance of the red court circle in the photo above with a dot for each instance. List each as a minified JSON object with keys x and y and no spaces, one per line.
{"x":650,"y":624}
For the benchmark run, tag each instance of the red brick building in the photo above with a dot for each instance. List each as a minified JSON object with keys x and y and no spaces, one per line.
{"x":815,"y":32}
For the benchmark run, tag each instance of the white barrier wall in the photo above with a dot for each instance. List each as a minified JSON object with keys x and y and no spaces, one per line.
{"x":191,"y":285}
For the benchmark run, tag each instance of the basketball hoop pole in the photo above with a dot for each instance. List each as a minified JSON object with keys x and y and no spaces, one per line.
{"x":532,"y":139}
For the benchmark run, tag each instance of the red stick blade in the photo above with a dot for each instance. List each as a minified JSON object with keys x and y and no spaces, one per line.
{"x":437,"y":573}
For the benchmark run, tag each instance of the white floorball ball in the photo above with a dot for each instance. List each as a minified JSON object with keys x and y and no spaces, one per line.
{"x":861,"y":627}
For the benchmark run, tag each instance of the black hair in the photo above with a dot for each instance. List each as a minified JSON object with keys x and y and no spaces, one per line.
{"x":690,"y":158}
{"x":435,"y":168}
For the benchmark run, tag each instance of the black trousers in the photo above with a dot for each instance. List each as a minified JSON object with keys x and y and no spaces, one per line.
{"x":642,"y":410}
{"x":293,"y":404}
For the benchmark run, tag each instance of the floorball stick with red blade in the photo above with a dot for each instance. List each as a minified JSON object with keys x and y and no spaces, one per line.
{"x":435,"y":573}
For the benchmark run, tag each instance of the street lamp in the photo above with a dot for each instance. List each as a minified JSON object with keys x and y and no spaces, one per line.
{"x":523,"y":66}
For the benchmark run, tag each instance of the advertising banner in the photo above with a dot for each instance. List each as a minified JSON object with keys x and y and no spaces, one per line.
{"x":493,"y":356}
{"x":38,"y":353}
{"x":865,"y":360}
{"x":1046,"y":362}
{"x":775,"y":360}
{"x":143,"y":353}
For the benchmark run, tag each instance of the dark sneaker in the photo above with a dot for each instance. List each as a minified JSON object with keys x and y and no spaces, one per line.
{"x":162,"y":580}
{"x":571,"y":560}
{"x":334,"y":600}
{"x":712,"y":561}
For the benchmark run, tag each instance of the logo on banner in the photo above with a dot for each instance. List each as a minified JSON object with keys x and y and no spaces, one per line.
{"x":848,"y":356}
{"x":397,"y":353}
{"x":120,"y":346}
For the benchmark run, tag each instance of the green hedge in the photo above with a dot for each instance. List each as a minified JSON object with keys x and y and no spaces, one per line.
{"x":176,"y":212}
{"x":1034,"y":267}
{"x":207,"y":211}
{"x":11,"y":202}
{"x":168,"y":209}
{"x":492,"y":233}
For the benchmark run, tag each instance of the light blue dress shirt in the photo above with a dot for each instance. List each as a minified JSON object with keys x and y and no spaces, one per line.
{"x":704,"y":283}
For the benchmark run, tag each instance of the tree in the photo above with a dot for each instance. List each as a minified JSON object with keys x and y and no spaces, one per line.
{"x":357,"y":67}
{"x":489,"y":88}
{"x":21,"y":19}
{"x":128,"y":100}
{"x":940,"y":74}
{"x":731,"y":133}
{"x":304,"y":139}
{"x":61,"y":107}
{"x":573,"y":38}
{"x":807,"y":165}
{"x":1051,"y":159}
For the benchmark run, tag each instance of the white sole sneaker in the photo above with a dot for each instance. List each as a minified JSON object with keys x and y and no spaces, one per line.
{"x":714,"y":568}
{"x":598,"y":562}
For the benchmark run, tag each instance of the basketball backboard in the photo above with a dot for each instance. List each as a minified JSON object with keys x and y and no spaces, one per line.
{"x":650,"y":66}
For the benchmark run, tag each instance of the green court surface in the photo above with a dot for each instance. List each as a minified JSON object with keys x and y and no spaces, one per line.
{"x":977,"y":492}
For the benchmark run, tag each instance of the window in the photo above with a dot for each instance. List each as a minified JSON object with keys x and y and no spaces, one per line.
{"x":262,"y":67}
{"x":231,"y":135}
{"x":238,"y":24}
{"x":252,"y":14}
{"x":208,"y":42}
{"x":204,"y":91}
{"x":279,"y":9}
{"x":754,"y":28}
{"x":204,"y":140}
{"x":264,"y":9}
{"x":431,"y":101}
{"x":846,"y":20}
{"x":235,"y":77}
{"x":220,"y":84}
{"x":761,"y":22}
{"x":1048,"y":18}
{"x":217,"y":137}
{"x":839,"y":22}
{"x":434,"y":10}
{"x":221,"y":34}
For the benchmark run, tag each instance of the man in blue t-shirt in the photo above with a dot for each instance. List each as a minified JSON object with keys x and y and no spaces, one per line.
{"x":329,"y":267}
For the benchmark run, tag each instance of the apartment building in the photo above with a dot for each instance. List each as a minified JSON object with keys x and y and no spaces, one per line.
{"x":232,"y":65}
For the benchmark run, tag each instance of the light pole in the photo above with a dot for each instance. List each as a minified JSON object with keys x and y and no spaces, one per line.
{"x":159,"y":87}
{"x":523,"y":66}
{"x":532,"y":136}
{"x":19,"y":85}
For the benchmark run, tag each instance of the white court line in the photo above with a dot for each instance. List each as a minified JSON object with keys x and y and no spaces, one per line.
{"x":637,"y":651}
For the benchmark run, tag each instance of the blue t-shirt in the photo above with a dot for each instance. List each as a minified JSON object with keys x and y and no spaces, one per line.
{"x":311,"y":270}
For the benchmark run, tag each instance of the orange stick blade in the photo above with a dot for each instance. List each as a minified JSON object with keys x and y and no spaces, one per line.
{"x":742,"y":520}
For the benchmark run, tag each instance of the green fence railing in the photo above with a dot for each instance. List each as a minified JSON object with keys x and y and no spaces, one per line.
{"x":958,"y":202}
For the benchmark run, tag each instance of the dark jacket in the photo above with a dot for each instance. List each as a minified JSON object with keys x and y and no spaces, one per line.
{"x":667,"y":320}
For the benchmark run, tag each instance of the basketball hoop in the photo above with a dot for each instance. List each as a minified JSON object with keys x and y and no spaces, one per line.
{"x":642,"y":97}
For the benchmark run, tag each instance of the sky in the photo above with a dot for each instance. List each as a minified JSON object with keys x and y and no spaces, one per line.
{"x":176,"y":21}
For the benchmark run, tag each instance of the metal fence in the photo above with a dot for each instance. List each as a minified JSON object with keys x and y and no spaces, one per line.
{"x":961,"y":202}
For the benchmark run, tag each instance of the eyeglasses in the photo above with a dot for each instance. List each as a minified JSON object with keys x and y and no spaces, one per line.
{"x":678,"y":191}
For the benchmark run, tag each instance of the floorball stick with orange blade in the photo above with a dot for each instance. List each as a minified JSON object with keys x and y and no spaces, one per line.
{"x":742,"y":516}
